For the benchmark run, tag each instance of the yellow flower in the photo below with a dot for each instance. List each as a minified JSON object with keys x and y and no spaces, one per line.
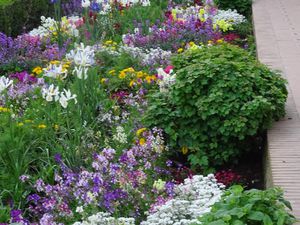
{"x":129,"y":69}
{"x":28,"y":121}
{"x":3,"y":109}
{"x":103,"y":80}
{"x":122,"y":74}
{"x":112,"y":72}
{"x":108,"y":42}
{"x":132,"y":83}
{"x":220,"y":41}
{"x":37,"y":70}
{"x":201,"y":12}
{"x":180,"y":50}
{"x":222,"y":25}
{"x":56,"y":127}
{"x":41,"y":126}
{"x":55,"y":62}
{"x":192,"y":43}
{"x":140,"y":131}
{"x":184,"y":150}
{"x":210,"y":42}
{"x":142,"y":141}
{"x":139,"y":74}
{"x":148,"y":79}
{"x":20,"y":124}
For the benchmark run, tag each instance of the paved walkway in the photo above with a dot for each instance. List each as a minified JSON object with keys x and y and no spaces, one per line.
{"x":277,"y":30}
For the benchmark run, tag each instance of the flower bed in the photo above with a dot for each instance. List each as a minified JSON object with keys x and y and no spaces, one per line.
{"x":110,"y":120}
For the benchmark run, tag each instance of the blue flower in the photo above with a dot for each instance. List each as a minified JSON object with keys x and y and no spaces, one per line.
{"x":95,"y":7}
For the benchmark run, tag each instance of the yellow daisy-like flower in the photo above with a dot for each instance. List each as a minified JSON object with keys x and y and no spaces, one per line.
{"x":139,"y":74}
{"x":41,"y":126}
{"x":220,"y":41}
{"x":37,"y":70}
{"x":140,"y":131}
{"x":184,"y":150}
{"x":122,"y":74}
{"x":142,"y":141}
{"x":148,"y":79}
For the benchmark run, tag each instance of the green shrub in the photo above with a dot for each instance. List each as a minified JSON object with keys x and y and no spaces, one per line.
{"x":18,"y":16}
{"x":242,"y":6}
{"x":253,"y":207}
{"x":221,"y":98}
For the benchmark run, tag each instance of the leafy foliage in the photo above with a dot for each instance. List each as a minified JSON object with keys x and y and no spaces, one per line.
{"x":251,"y":207}
{"x":222,"y":97}
{"x":242,"y":6}
{"x":14,"y":19}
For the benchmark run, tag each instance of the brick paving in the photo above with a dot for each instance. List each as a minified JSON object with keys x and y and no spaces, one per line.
{"x":277,"y":31}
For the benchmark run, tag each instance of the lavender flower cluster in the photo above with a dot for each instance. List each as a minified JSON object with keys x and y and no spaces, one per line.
{"x":26,"y":50}
{"x":117,"y":180}
{"x":172,"y":34}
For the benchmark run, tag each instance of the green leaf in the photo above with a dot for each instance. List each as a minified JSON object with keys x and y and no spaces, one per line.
{"x":256,"y":215}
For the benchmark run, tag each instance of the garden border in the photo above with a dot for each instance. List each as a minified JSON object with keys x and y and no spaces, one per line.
{"x":278,"y":46}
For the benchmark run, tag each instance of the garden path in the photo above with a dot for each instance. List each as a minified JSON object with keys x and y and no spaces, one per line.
{"x":277,"y":30}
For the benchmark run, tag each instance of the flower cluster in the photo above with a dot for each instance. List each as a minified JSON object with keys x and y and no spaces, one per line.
{"x":26,"y":50}
{"x":230,"y":16}
{"x":228,"y":177}
{"x":167,"y":79}
{"x":52,"y":93}
{"x":171,"y":34}
{"x":48,"y":27}
{"x":83,"y":57}
{"x":116,"y":181}
{"x":128,"y":77}
{"x":56,"y":70}
{"x":106,"y":219}
{"x":105,"y":7}
{"x":192,"y":199}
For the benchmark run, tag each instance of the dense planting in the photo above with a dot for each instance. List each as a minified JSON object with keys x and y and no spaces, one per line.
{"x":111,"y":110}
{"x":222,"y":97}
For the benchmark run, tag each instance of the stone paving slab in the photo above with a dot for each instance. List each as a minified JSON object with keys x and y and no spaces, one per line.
{"x":277,"y":31}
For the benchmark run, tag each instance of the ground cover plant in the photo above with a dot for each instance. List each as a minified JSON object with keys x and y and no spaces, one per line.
{"x":116,"y":112}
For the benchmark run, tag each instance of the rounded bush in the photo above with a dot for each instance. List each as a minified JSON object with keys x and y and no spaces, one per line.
{"x":222,"y":96}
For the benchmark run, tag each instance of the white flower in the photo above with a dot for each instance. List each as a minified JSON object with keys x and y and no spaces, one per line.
{"x":192,"y":199}
{"x":167,"y":79}
{"x":50,"y":93}
{"x":104,"y":218}
{"x":81,"y":72}
{"x":120,"y":135}
{"x":85,"y":3}
{"x":230,"y":16}
{"x":5,"y":83}
{"x":83,"y":56}
{"x":66,"y":96}
{"x":55,"y":71}
{"x":79,"y":209}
